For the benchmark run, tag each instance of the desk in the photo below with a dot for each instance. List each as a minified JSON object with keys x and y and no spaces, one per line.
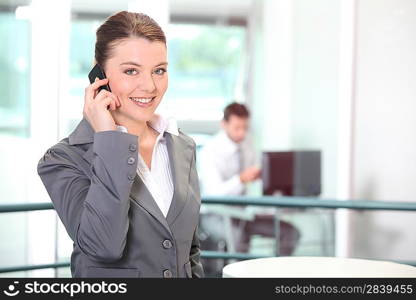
{"x":327,"y":267}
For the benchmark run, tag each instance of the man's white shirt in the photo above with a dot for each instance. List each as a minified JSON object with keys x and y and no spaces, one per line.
{"x":220,"y":167}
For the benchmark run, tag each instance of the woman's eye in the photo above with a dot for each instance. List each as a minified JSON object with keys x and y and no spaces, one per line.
{"x":131,"y":71}
{"x":160,"y":71}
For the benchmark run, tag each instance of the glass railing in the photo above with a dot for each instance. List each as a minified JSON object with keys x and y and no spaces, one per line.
{"x":264,"y":201}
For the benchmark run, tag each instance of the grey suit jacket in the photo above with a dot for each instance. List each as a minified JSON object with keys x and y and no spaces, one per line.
{"x":117,"y":228}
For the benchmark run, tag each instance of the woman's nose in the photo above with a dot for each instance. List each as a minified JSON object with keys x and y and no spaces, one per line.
{"x":147,"y":84}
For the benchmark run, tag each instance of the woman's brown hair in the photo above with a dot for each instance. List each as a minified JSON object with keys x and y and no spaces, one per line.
{"x":123,"y":25}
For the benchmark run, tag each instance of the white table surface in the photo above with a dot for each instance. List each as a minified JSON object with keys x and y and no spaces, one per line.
{"x":330,"y":267}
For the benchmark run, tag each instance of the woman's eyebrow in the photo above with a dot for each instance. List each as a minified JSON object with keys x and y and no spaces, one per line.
{"x":139,"y":65}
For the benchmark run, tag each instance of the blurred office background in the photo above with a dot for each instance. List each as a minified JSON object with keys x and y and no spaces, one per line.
{"x":337,"y":76}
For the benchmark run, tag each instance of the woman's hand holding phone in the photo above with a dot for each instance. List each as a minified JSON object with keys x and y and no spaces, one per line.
{"x":97,"y":106}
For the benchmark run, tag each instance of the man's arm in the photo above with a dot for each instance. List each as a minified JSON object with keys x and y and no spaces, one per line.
{"x":212,"y":181}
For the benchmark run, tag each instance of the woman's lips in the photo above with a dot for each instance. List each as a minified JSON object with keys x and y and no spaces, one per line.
{"x":142,"y":102}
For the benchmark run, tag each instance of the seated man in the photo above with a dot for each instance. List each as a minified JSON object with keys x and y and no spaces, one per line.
{"x":227,"y":165}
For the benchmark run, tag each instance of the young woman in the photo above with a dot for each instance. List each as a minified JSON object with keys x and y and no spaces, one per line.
{"x":124,"y":182}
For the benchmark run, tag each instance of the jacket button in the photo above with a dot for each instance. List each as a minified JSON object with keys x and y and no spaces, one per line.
{"x":167,"y":244}
{"x":132,"y":147}
{"x":131,"y":176}
{"x":131,"y":160}
{"x":167,"y":274}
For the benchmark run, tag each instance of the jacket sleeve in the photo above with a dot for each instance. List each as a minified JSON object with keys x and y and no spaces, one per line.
{"x":94,"y":210}
{"x":195,"y":253}
{"x":194,"y":257}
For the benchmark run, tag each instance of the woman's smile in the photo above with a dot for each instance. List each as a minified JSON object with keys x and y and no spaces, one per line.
{"x":142,"y":102}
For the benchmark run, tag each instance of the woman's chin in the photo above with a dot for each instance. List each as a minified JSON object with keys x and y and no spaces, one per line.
{"x":139,"y":117}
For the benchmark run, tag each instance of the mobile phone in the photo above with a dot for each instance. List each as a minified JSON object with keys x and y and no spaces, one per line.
{"x":97,"y":71}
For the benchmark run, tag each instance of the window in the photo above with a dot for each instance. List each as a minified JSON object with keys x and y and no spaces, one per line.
{"x":14,"y":75}
{"x":81,"y":58}
{"x":206,"y":69}
{"x":15,"y":37}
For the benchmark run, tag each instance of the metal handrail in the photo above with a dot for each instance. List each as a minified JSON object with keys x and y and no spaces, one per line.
{"x":308,"y":202}
{"x":34,"y":267}
{"x":25,"y":207}
{"x":280,"y":201}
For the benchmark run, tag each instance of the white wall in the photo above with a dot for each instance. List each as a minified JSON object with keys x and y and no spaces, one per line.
{"x":294,"y":93}
{"x":270,"y":77}
{"x":384,"y":130}
{"x":295,"y":79}
{"x":315,"y":87}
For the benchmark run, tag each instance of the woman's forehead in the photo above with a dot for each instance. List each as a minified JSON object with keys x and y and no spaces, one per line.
{"x":139,"y":50}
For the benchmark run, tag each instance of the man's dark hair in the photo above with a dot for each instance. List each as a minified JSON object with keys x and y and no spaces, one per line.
{"x":237,"y":109}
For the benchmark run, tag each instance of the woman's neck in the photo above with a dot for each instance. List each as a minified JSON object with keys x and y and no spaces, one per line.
{"x":141,"y":129}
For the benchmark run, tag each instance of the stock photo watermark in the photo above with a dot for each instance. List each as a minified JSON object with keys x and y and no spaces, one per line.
{"x":71,"y":289}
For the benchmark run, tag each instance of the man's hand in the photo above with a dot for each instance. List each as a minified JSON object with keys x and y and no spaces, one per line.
{"x":250,"y":174}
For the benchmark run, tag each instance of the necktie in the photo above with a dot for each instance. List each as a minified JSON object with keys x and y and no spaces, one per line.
{"x":240,"y":162}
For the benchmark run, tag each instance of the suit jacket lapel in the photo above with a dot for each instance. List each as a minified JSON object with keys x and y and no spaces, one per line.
{"x":89,"y":155}
{"x":142,"y":196}
{"x":180,"y":157}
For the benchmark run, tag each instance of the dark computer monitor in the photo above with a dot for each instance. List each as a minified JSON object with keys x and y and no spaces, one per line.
{"x":292,"y":173}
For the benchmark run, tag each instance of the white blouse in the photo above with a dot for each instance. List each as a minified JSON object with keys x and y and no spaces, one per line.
{"x":158,"y":180}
